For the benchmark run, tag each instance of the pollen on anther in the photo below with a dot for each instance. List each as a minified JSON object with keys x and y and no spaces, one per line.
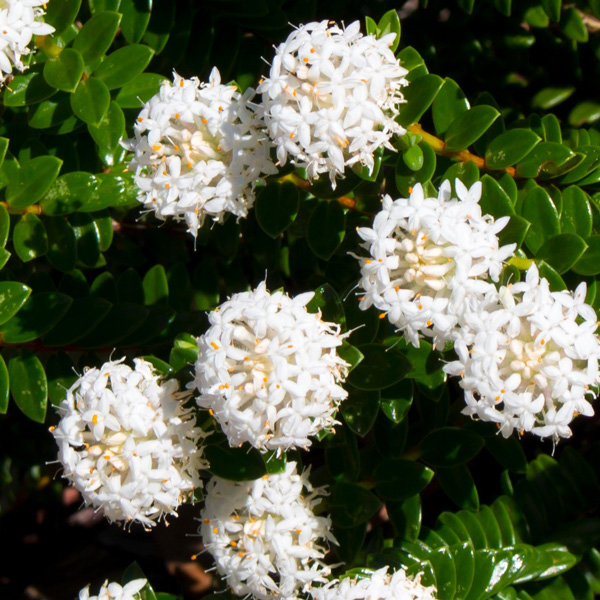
{"x":420,"y":306}
{"x":542,"y":342}
{"x":181,"y":83}
{"x":305,"y":59}
{"x":215,"y":530}
{"x":214,"y":345}
{"x":140,"y":119}
{"x":382,"y":316}
{"x":177,"y":115}
{"x":205,"y":121}
{"x":207,"y":521}
{"x":156,"y":147}
{"x":95,"y":419}
{"x":167,"y":185}
{"x":291,"y":135}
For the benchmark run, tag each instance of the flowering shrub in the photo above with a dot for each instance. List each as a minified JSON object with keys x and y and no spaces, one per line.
{"x":350,"y":272}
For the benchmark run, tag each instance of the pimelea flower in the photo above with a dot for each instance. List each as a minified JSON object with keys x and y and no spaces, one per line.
{"x":430,"y":257}
{"x":528,"y":358}
{"x":20,"y":20}
{"x":269,"y":371}
{"x":263,"y":534}
{"x":127,"y":443}
{"x":198,"y":151}
{"x":381,"y":585}
{"x":332,"y":97}
{"x":115,"y":591}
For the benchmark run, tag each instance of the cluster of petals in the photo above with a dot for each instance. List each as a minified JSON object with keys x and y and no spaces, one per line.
{"x":264,"y":536}
{"x":528,"y":357}
{"x":115,"y":591}
{"x":269,"y":371}
{"x":380,"y":585}
{"x":198,"y":151}
{"x":430,"y":258}
{"x":19,"y":21}
{"x":127,"y":442}
{"x":332,"y":97}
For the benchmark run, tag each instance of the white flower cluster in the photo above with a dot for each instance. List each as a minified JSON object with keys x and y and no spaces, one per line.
{"x":379,"y":586}
{"x":269,"y":371}
{"x":429,"y":259}
{"x":198,"y":151}
{"x":332,"y":96}
{"x":528,"y":357}
{"x":127,"y":443}
{"x":264,"y":536}
{"x":19,"y":21}
{"x":115,"y":591}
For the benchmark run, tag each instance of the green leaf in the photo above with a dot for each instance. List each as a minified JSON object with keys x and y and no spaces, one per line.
{"x":28,"y":384}
{"x":32,"y":181}
{"x":29,"y":238}
{"x":508,"y":452}
{"x":464,"y":563}
{"x":552,"y":9}
{"x":515,"y":232}
{"x":419,"y":95}
{"x":449,"y":103}
{"x":550,"y":97}
{"x":62,"y":244}
{"x":510,"y":147}
{"x":121,"y":321}
{"x":380,"y":368}
{"x":450,"y":446}
{"x":371,"y":26}
{"x":123,"y":65}
{"x":28,"y":88}
{"x":396,"y":400}
{"x":184,"y":352}
{"x":156,"y":287}
{"x":547,"y":159}
{"x":540,"y":211}
{"x":3,"y":149}
{"x":277,"y":207}
{"x":406,"y":517}
{"x":136,"y":16}
{"x":494,"y":200}
{"x":445,"y":573}
{"x":551,"y":274}
{"x":61,"y":14}
{"x":326,"y":228}
{"x":108,"y":133}
{"x":4,"y":387}
{"x":572,"y":25}
{"x":37,"y":316}
{"x":584,"y":112}
{"x":12,"y":297}
{"x":327,"y":301}
{"x":140,"y":90}
{"x":68,"y":193}
{"x":466,"y":5}
{"x":96,"y":35}
{"x":64,"y":71}
{"x":562,"y":251}
{"x":90,"y":101}
{"x":459,"y":486}
{"x":4,"y":256}
{"x":351,"y":354}
{"x":237,"y":464}
{"x":589,"y":263}
{"x":351,"y":505}
{"x":413,"y":158}
{"x":51,"y":112}
{"x":469,"y":126}
{"x":397,"y":479}
{"x":576,"y":215}
{"x":360,"y":411}
{"x":390,"y":23}
{"x":406,"y":178}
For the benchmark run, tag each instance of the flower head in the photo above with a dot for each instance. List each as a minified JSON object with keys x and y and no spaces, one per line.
{"x":381,"y":585}
{"x":429,"y":258}
{"x":332,"y":96}
{"x":19,"y":21}
{"x":263,"y":534}
{"x":527,"y":357}
{"x":198,"y":151}
{"x":127,"y":443}
{"x":269,"y":371}
{"x":114,"y":591}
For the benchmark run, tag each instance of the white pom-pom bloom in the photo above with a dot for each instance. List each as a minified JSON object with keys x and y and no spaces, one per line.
{"x":264,"y":535}
{"x":527,"y":358}
{"x":429,"y":258}
{"x":19,"y":21}
{"x":114,"y":591}
{"x":269,"y":370}
{"x":332,"y":97}
{"x":381,"y":585}
{"x":128,"y":444}
{"x":198,"y":151}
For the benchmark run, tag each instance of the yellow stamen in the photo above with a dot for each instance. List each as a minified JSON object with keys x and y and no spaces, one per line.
{"x":95,"y":419}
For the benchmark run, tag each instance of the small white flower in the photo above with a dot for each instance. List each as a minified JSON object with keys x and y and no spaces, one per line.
{"x":527,"y":357}
{"x":199,"y":151}
{"x":114,"y":591}
{"x":19,"y":21}
{"x":381,"y":585}
{"x":269,"y":371}
{"x":332,"y":96}
{"x":127,"y":443}
{"x":264,"y":536}
{"x":430,"y":258}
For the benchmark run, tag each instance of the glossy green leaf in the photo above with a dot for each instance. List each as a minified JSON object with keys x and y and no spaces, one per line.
{"x":277,"y":207}
{"x":562,"y":251}
{"x":576,"y":215}
{"x":4,"y":225}
{"x":96,"y":35}
{"x":64,"y":71}
{"x":396,"y":400}
{"x":406,"y":517}
{"x":156,"y":287}
{"x":28,"y":384}
{"x":494,"y":200}
{"x":28,"y":88}
{"x":351,"y":505}
{"x":139,"y":90}
{"x":466,"y":5}
{"x":351,"y":354}
{"x":540,"y":211}
{"x":237,"y":464}
{"x":4,"y":256}
{"x":469,"y":126}
{"x":550,"y":97}
{"x":52,"y":112}
{"x":121,"y":321}
{"x":445,"y":573}
{"x":515,"y":232}
{"x":110,"y":130}
{"x":4,"y":386}
{"x":450,"y":446}
{"x":326,"y":228}
{"x":573,"y":25}
{"x":123,"y":65}
{"x":12,"y":297}
{"x":535,"y":16}
{"x":464,"y":562}
{"x":371,"y":26}
{"x":29,"y":238}
{"x":380,"y":368}
{"x":413,"y":158}
{"x":32,"y":181}
{"x":398,"y":479}
{"x":547,"y":159}
{"x":407,"y":178}
{"x":510,"y":147}
{"x":136,"y":16}
{"x":552,"y":9}
{"x":457,"y":482}
{"x":390,"y":23}
{"x":419,"y":96}
{"x":61,"y":14}
{"x":360,"y":411}
{"x":589,"y":263}
{"x":184,"y":352}
{"x":3,"y":148}
{"x":507,"y":451}
{"x":587,"y":112}
{"x":90,"y":101}
{"x":449,"y":103}
{"x":68,"y":193}
{"x":327,"y":301}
